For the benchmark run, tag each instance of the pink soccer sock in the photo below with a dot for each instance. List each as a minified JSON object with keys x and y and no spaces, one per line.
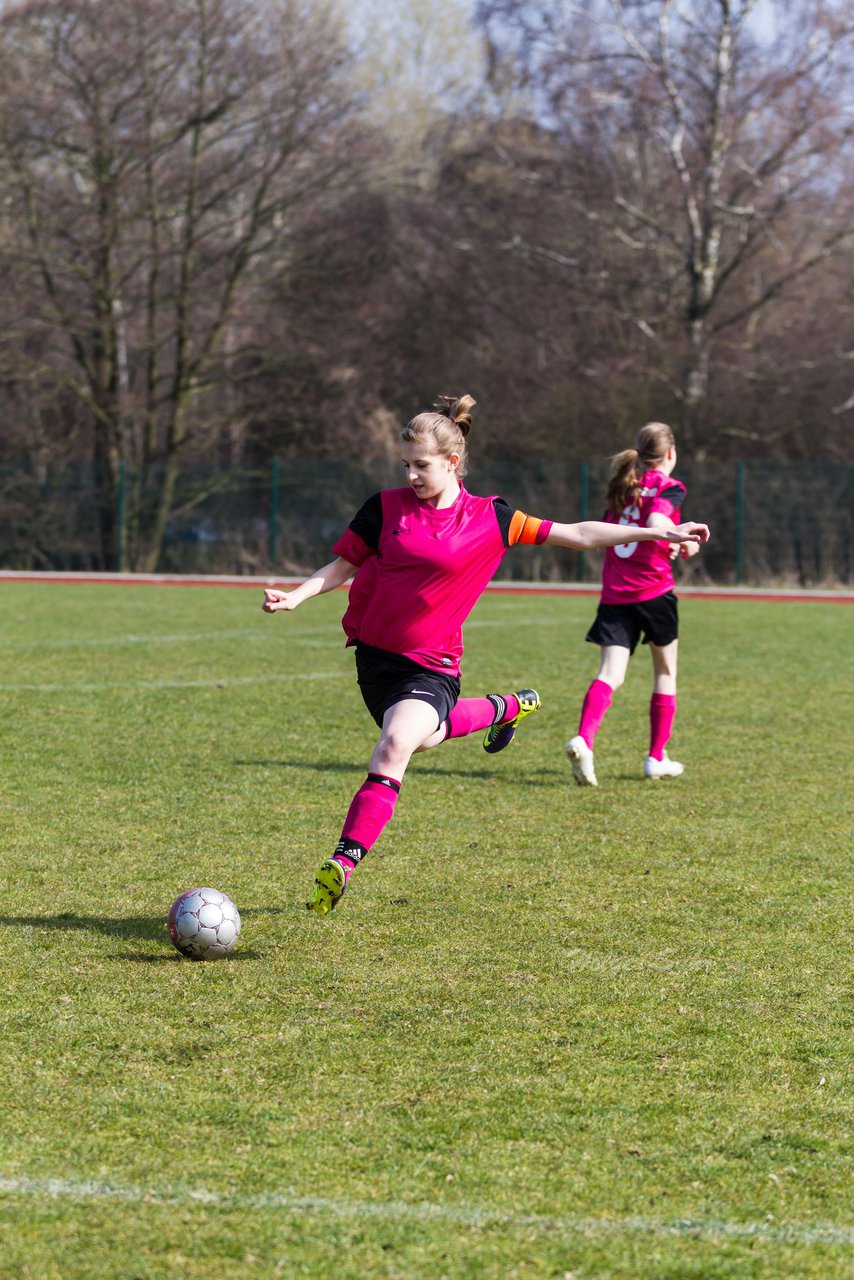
{"x":512,"y":710}
{"x":370,"y":810}
{"x":471,"y":714}
{"x":346,"y":862}
{"x":597,"y":700}
{"x":662,"y":711}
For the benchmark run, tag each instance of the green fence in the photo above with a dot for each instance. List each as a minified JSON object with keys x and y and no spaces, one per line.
{"x":772,"y":522}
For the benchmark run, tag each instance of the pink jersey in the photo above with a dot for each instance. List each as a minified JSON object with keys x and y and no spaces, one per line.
{"x":639,"y":571}
{"x":421,"y":570}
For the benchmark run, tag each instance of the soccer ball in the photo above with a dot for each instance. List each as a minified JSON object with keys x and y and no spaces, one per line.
{"x":204,"y":924}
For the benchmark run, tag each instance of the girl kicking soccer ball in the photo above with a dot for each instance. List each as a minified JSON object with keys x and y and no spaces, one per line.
{"x":422,"y":556}
{"x":638,"y":599}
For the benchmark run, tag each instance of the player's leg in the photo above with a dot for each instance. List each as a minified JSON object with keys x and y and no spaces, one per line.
{"x":499,"y":713}
{"x":467,"y":715}
{"x":613,"y":665}
{"x":664,"y":664}
{"x":406,"y":726}
{"x":662,"y":712}
{"x":660,"y":622}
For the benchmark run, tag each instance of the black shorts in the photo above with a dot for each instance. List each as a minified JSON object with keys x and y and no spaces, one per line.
{"x":623,"y":624}
{"x":387,"y":678}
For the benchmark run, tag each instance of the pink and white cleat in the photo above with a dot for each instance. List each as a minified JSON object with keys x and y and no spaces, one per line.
{"x":581,"y":759}
{"x":663,"y":768}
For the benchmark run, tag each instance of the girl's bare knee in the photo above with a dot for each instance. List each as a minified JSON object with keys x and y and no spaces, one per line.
{"x":393,"y":750}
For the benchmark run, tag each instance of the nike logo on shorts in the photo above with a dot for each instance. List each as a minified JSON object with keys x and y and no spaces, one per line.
{"x":425,"y":692}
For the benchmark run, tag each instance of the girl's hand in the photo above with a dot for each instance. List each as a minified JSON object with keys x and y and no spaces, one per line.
{"x":275,"y":600}
{"x":691,"y":532}
{"x":683,"y":550}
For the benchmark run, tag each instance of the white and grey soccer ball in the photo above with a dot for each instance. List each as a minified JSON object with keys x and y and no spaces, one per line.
{"x":204,"y":924}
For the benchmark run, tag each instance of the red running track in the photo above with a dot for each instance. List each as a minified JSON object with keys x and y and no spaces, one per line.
{"x":774,"y":594}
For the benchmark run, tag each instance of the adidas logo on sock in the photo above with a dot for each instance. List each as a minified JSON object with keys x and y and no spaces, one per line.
{"x":350,"y":849}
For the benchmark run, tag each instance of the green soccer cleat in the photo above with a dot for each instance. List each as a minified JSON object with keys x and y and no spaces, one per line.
{"x":498,"y":736}
{"x":329,"y":885}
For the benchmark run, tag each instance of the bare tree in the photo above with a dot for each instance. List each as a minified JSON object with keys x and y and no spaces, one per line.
{"x":724,"y":152}
{"x":418,"y":61}
{"x":155,"y":153}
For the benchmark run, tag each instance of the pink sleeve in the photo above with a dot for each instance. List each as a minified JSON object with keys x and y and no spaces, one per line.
{"x":353,"y":549}
{"x":667,"y":501}
{"x":661,"y":506}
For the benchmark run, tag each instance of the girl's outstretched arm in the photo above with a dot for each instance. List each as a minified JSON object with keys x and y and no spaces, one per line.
{"x":332,"y":575}
{"x":658,"y":520}
{"x":589,"y":534}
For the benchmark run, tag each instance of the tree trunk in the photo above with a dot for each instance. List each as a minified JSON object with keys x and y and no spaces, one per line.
{"x":108,"y":464}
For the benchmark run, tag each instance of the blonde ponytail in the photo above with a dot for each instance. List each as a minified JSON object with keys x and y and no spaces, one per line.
{"x":458,"y":409}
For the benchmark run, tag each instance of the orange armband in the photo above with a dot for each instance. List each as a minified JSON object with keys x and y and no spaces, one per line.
{"x":528,"y":530}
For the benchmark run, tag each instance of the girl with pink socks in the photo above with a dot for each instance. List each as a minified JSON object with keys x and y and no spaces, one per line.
{"x":637,"y":599}
{"x":422,"y":556}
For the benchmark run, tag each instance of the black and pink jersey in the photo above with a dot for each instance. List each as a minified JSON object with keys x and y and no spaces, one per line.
{"x":638,"y":571}
{"x":422,"y":569}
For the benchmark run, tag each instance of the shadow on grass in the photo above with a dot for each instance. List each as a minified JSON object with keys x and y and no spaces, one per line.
{"x":141,"y":928}
{"x":318,"y":766}
{"x":175,"y":957}
{"x":639,"y":780}
{"x":532,"y":779}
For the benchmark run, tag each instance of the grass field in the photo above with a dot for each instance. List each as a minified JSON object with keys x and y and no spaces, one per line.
{"x":550,"y":1032}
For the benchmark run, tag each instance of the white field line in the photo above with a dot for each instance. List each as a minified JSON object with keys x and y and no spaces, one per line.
{"x":214,"y":682}
{"x":291,"y":635}
{"x":709,"y":1228}
{"x":188,"y":637}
